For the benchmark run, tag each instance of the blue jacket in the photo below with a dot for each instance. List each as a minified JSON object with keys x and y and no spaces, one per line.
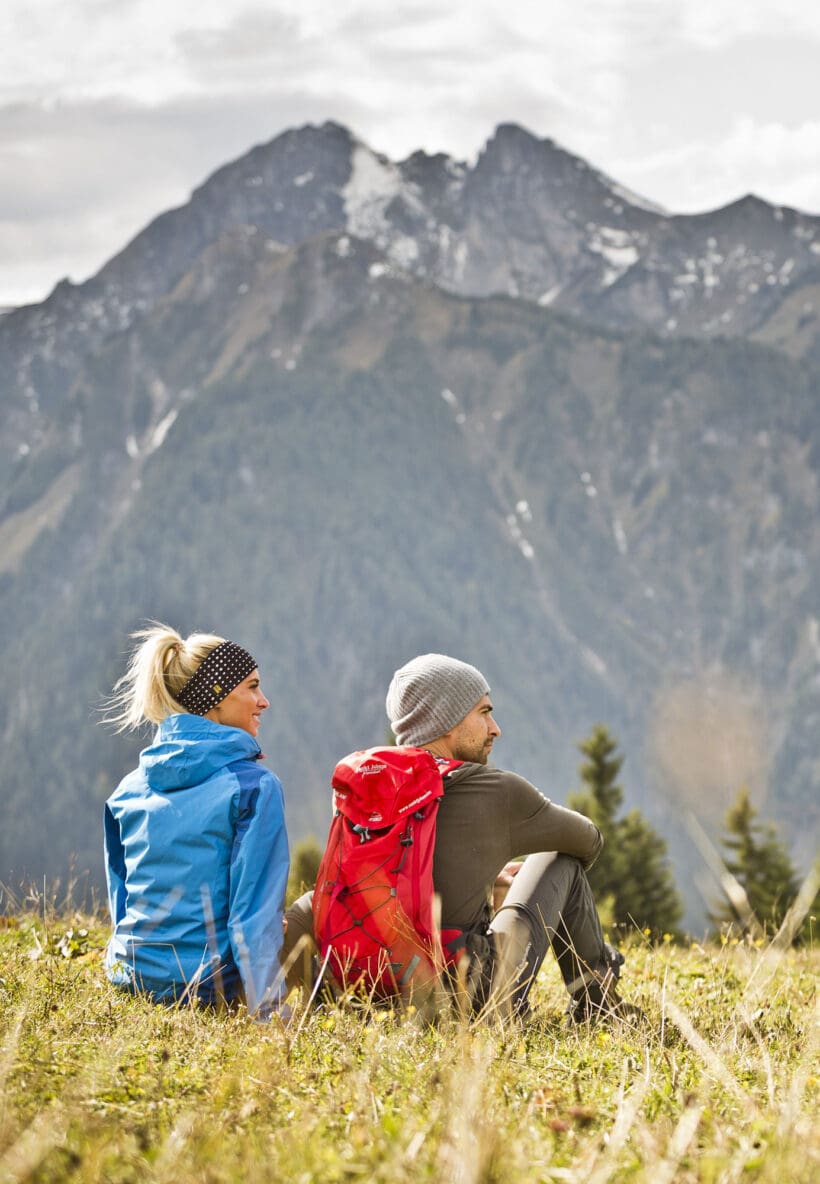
{"x":197,"y":862}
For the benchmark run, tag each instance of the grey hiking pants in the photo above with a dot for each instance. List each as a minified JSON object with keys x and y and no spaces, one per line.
{"x":549,"y":905}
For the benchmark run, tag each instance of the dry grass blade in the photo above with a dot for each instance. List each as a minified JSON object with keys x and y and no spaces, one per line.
{"x":463,"y":1152}
{"x":8,"y":1056}
{"x":807,"y":1068}
{"x":25,"y":1155}
{"x":761,"y":977}
{"x":800,"y":906}
{"x":708,"y":1055}
{"x":665,"y":1171}
{"x":733,"y":889}
{"x":316,"y":987}
{"x":173,"y":1147}
{"x":629,"y":1108}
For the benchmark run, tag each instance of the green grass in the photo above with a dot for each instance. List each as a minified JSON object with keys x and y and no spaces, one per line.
{"x":721,"y":1086}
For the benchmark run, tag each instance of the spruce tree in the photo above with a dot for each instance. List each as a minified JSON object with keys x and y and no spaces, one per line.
{"x":600,"y":800}
{"x":631,"y":878}
{"x":760,"y":863}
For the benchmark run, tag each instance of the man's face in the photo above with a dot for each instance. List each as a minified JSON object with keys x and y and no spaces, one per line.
{"x":472,"y":739}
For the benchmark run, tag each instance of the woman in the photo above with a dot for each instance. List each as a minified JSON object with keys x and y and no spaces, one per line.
{"x":195,"y":843}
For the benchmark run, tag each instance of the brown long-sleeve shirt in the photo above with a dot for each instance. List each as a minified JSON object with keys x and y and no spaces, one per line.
{"x":486,"y":818}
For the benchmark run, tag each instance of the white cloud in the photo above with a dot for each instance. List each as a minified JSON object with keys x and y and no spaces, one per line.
{"x":111,"y":112}
{"x":710,"y":24}
{"x":778,"y":163}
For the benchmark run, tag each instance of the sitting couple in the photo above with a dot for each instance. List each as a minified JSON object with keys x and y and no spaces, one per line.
{"x":197,"y":856}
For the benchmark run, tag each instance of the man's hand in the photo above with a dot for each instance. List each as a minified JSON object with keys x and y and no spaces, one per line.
{"x":503,"y":881}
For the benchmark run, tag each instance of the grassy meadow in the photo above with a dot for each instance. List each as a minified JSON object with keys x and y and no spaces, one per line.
{"x":720,"y":1085}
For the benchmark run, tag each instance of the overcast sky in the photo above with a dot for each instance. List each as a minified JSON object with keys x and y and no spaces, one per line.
{"x":111,"y":111}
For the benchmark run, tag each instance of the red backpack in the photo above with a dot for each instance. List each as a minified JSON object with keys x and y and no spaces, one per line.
{"x":373,"y":903}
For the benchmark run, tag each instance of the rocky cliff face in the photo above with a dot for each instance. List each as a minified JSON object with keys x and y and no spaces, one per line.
{"x":346,"y":410}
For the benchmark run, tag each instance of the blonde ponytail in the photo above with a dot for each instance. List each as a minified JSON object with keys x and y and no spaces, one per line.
{"x":161,"y":664}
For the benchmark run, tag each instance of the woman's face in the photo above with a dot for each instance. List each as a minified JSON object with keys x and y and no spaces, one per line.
{"x":243,"y":707}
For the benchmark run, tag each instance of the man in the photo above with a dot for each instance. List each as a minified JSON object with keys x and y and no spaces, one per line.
{"x":486,"y":818}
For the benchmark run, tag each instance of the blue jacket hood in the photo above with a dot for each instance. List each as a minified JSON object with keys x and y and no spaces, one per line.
{"x":188,"y":749}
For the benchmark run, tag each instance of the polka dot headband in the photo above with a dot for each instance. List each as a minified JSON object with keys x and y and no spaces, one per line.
{"x":225,"y":667}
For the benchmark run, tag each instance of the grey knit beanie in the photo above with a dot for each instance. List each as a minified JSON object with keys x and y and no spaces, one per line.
{"x":430,"y":695}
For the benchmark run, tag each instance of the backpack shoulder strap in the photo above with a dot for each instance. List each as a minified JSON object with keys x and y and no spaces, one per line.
{"x":447,"y":766}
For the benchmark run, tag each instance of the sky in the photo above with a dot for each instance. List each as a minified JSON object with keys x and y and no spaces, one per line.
{"x":112,"y":111}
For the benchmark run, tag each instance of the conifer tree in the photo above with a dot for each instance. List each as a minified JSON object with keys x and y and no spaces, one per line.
{"x":600,"y":800}
{"x":631,"y":878}
{"x":760,"y":863}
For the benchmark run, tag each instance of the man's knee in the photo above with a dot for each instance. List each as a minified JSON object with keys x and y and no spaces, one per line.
{"x":544,"y":883}
{"x":536,"y":905}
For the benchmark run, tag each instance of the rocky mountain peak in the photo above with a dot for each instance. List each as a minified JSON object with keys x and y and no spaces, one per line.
{"x":510,"y":143}
{"x":528,"y":219}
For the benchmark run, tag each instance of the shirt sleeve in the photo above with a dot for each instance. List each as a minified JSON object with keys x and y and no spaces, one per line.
{"x":537,"y":824}
{"x":258,"y":879}
{"x":114,"y":867}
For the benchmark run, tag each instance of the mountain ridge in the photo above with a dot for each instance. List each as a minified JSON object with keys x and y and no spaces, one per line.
{"x":613,"y":262}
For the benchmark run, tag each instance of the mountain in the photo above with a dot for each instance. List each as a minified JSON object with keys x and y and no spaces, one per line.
{"x":306,"y":411}
{"x":528,"y":220}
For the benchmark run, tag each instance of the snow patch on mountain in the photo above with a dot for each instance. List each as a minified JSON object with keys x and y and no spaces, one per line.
{"x":618,"y":249}
{"x":516,"y":533}
{"x":593,"y":661}
{"x":546,"y":298}
{"x":404,"y":250}
{"x":161,"y":430}
{"x":373,"y":184}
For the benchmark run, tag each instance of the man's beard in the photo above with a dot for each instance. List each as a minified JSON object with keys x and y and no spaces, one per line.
{"x":477,"y":753}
